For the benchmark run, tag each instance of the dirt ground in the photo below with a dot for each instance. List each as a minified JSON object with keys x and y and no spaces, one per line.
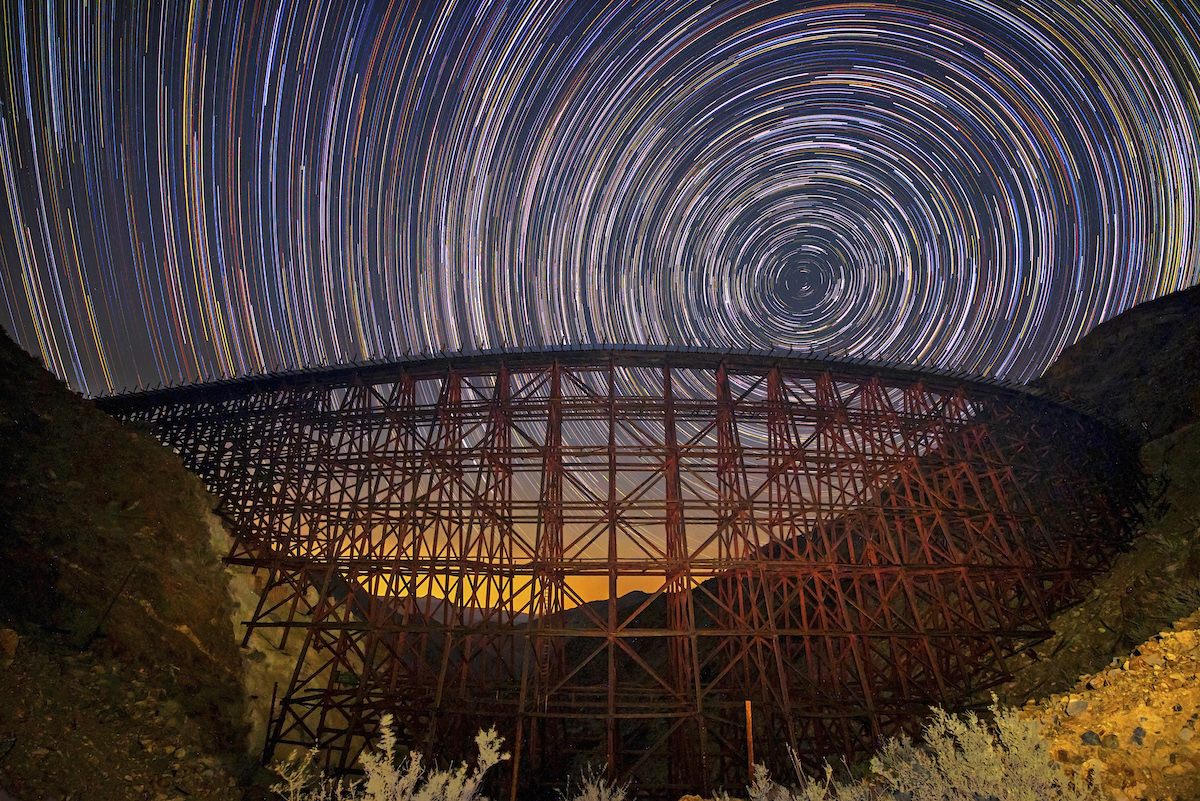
{"x":78,"y":727}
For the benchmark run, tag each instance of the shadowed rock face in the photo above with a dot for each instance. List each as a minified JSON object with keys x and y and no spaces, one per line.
{"x":1139,"y":371}
{"x":105,"y":551}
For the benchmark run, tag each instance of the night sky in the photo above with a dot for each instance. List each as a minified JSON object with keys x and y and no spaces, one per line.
{"x":195,"y":190}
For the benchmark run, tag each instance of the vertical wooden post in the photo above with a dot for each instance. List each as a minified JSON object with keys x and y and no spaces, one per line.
{"x":749,"y":740}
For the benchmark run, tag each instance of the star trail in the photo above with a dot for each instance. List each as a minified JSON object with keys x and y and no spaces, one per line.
{"x":196,"y":190}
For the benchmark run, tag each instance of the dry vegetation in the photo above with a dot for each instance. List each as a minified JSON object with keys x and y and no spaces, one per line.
{"x":962,"y":757}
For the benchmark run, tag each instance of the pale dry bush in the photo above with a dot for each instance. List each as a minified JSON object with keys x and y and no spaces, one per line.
{"x":386,"y":779}
{"x":963,"y":758}
{"x":810,"y":789}
{"x":593,"y":787}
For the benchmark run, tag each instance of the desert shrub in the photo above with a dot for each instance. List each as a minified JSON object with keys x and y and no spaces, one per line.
{"x":386,"y":779}
{"x":810,"y":789}
{"x":963,"y":758}
{"x":593,"y":787}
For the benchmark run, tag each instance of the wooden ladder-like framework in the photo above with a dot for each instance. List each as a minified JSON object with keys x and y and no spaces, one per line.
{"x":606,"y":553}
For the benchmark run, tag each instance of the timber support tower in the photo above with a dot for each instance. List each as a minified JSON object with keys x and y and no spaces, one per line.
{"x":651,"y":559}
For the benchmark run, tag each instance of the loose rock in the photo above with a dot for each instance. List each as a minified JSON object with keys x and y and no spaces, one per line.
{"x":1076,"y":707}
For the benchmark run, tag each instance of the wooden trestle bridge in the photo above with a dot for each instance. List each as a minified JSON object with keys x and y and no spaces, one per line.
{"x":645,"y":558}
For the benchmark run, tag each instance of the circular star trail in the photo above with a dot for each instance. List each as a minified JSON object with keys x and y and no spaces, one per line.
{"x":216,"y":189}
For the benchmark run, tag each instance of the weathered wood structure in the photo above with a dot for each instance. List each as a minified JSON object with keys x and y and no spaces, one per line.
{"x":608,"y":552}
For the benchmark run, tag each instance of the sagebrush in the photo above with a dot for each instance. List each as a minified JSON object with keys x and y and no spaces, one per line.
{"x":963,"y":758}
{"x":387,"y":779}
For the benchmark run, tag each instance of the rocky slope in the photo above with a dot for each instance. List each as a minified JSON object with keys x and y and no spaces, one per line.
{"x":123,"y":677}
{"x":1118,"y":686}
{"x":1138,"y":371}
{"x":1136,"y":722}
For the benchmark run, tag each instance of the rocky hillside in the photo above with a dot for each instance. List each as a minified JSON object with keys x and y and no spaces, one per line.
{"x":1117,"y":686}
{"x":1139,"y":371}
{"x":119,"y":673}
{"x":1136,"y":722}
